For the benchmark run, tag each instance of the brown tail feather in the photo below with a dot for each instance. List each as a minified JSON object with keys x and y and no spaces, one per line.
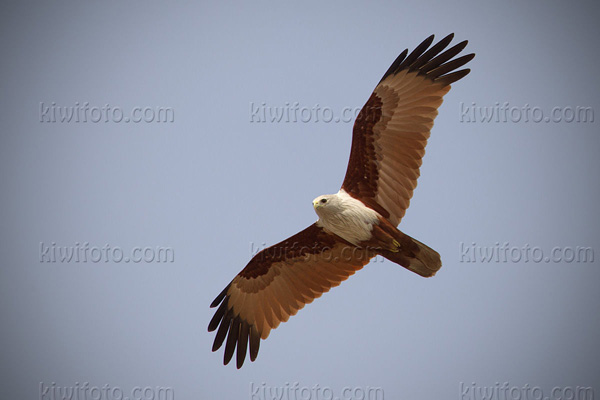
{"x":400,"y":248}
{"x":415,"y":256}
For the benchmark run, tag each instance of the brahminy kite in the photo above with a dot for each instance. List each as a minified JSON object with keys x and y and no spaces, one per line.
{"x":358,"y":222}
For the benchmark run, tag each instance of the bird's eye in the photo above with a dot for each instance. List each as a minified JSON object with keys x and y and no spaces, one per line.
{"x":323,"y":201}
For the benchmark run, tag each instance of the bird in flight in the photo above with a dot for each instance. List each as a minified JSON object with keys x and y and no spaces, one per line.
{"x":359,"y":221}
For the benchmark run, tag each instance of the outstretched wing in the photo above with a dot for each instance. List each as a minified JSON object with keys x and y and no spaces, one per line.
{"x":278,"y":282}
{"x":391,"y":130}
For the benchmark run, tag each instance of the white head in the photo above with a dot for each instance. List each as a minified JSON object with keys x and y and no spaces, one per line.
{"x":345,"y":216}
{"x":327,"y":204}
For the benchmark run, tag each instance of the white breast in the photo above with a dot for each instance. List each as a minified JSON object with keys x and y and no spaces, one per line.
{"x":350,"y":219}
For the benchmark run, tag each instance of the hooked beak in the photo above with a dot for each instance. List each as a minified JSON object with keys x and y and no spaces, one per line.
{"x":317,"y":203}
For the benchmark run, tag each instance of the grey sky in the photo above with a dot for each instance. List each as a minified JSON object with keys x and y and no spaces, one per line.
{"x":212,"y":185}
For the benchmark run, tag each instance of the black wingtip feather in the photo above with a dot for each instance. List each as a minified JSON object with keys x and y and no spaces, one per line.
{"x":238,"y":336}
{"x":453,"y":77}
{"x":214,"y":322}
{"x":254,"y":343}
{"x":222,"y":332}
{"x":394,"y":67}
{"x":416,"y":53}
{"x":443,"y":57}
{"x":242,"y":345}
{"x":432,"y":61}
{"x":432,"y":52}
{"x":232,"y":337}
{"x":220,"y":297}
{"x":450,"y":66}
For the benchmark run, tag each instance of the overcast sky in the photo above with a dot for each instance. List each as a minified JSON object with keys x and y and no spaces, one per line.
{"x":198,"y":180}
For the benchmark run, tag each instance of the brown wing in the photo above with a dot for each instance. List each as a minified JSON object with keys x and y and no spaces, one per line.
{"x":278,"y":282}
{"x":391,"y":130}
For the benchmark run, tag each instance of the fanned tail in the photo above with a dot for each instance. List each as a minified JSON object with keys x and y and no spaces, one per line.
{"x":415,"y":256}
{"x":402,"y":249}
